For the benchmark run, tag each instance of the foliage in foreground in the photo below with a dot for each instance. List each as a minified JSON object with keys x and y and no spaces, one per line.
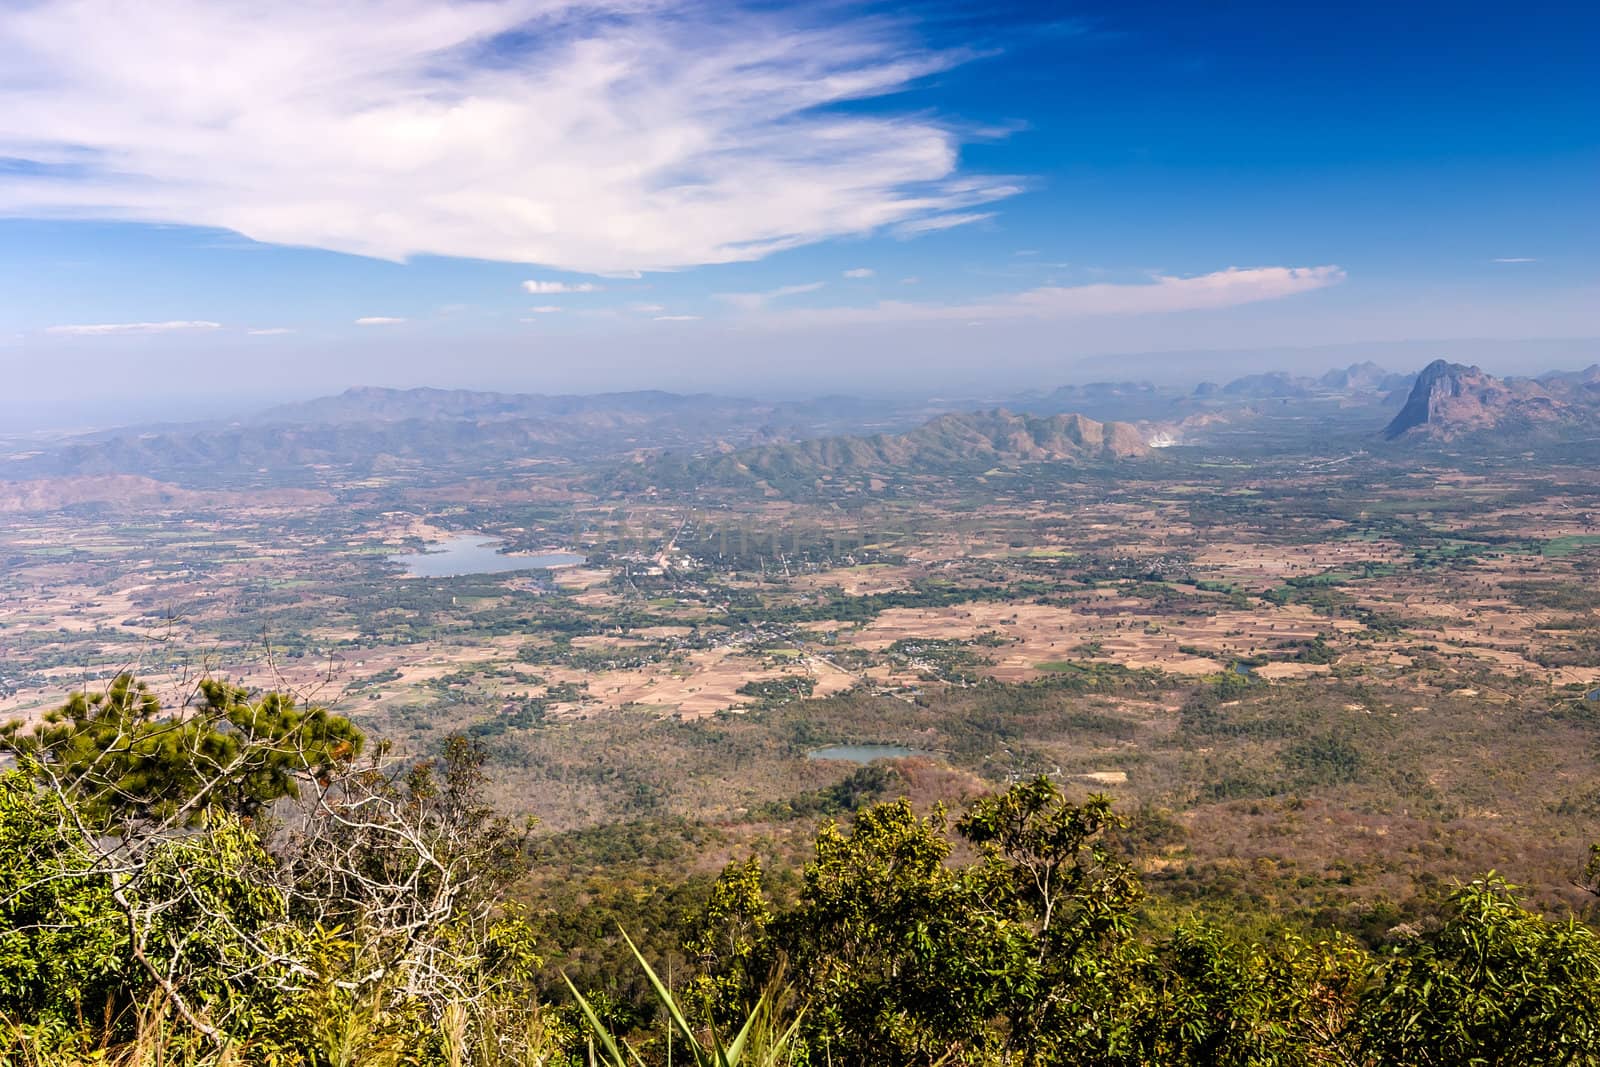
{"x":234,"y":882}
{"x":1029,"y":954}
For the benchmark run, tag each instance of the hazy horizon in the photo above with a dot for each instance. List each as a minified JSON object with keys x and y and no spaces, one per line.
{"x":775,"y":199}
{"x":1174,"y":368}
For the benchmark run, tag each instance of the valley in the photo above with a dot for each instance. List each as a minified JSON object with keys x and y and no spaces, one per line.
{"x":1324,"y":665}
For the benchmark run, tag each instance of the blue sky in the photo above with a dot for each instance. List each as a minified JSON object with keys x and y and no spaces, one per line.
{"x":215,"y":201}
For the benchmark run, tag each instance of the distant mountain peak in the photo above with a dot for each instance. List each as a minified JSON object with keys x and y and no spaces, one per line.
{"x":1366,"y":377}
{"x":1451,"y":399}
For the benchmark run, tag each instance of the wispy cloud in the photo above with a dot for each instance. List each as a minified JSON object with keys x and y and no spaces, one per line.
{"x":107,"y":328}
{"x":677,"y":318}
{"x":1163,"y":294}
{"x":647,"y":309}
{"x":547,"y":309}
{"x":1514,"y":259}
{"x":378,"y":320}
{"x":912,"y":227}
{"x":755,"y":301}
{"x":270,"y":331}
{"x":858,"y":272}
{"x":601,"y":136}
{"x":540,"y":288}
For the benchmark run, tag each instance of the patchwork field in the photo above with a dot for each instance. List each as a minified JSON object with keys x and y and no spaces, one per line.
{"x":1272,"y":658}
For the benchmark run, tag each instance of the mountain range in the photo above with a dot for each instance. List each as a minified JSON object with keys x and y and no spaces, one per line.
{"x":445,"y":433}
{"x":957,"y":443}
{"x":383,"y":431}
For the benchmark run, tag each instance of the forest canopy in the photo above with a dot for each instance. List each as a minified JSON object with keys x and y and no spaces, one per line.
{"x":244,"y":879}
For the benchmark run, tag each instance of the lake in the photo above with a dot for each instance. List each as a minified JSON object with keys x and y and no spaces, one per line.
{"x":863,"y":753}
{"x":475,"y":554}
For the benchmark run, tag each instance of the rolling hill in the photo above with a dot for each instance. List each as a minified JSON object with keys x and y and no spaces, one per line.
{"x":950,"y":444}
{"x":436,"y":432}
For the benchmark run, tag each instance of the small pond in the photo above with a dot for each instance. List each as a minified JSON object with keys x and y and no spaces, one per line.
{"x":863,"y":754}
{"x":1593,"y":694}
{"x":475,"y":554}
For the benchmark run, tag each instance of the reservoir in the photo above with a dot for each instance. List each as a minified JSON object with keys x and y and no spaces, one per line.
{"x":863,"y":753}
{"x":475,"y":554}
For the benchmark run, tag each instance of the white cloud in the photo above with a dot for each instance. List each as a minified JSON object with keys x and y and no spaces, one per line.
{"x":913,"y":227}
{"x":270,"y":331}
{"x":105,"y":328}
{"x":378,"y":320}
{"x":546,"y":309}
{"x":1164,"y":294}
{"x":647,"y":309}
{"x":858,"y":272}
{"x":755,"y":301}
{"x":547,"y":288}
{"x":601,"y":136}
{"x":677,"y":318}
{"x":1514,"y":259}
